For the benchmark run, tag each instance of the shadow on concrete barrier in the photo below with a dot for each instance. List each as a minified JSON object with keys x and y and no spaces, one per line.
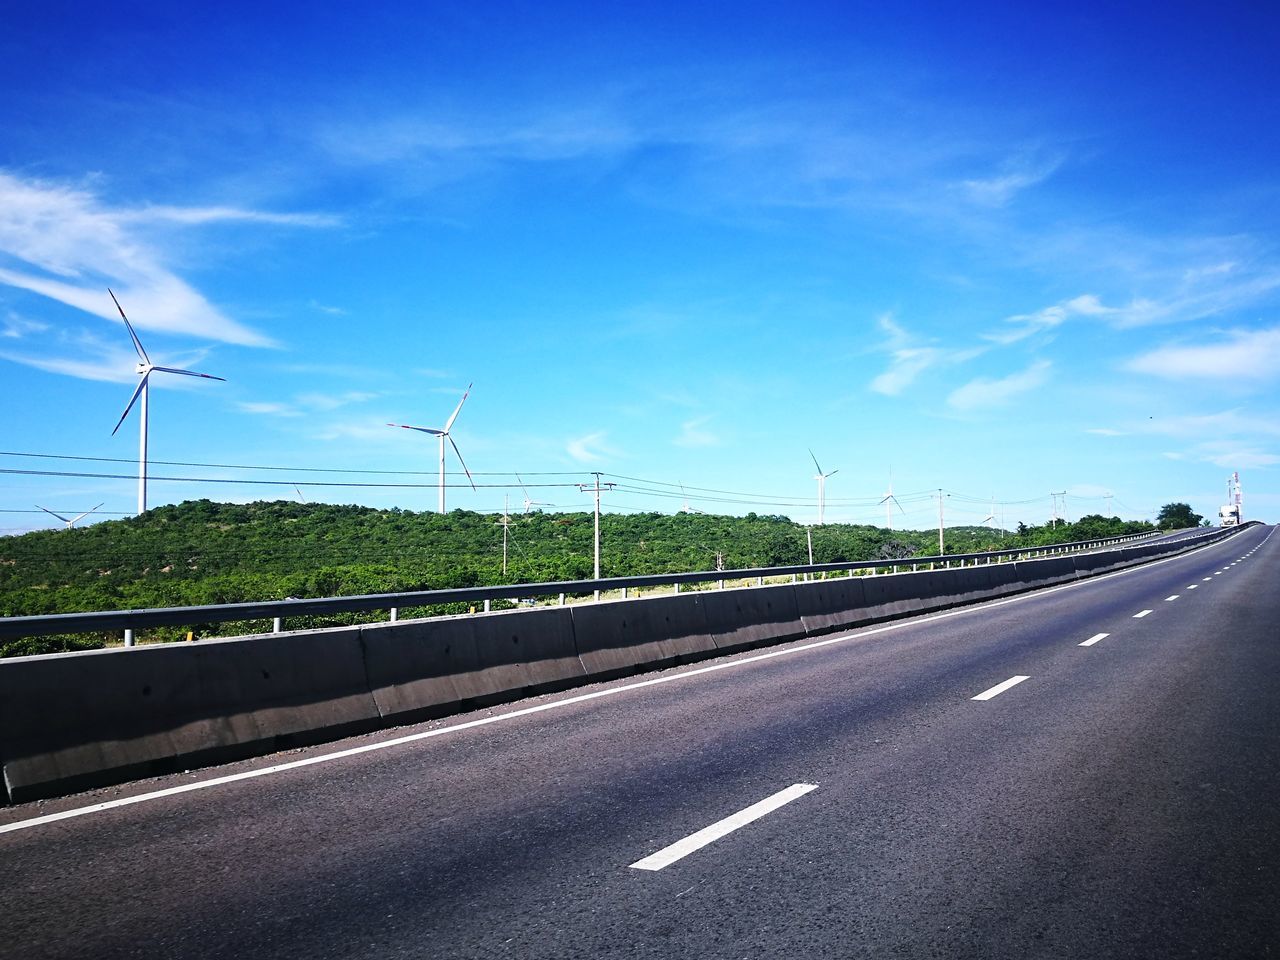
{"x":828,"y":605}
{"x":752,"y":617}
{"x":73,"y":721}
{"x":421,"y":669}
{"x":623,"y":637}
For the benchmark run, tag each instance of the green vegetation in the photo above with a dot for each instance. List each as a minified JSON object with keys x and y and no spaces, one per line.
{"x":1177,"y":516}
{"x":200,"y":552}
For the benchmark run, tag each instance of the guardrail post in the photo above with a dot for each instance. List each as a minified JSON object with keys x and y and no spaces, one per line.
{"x":277,"y":626}
{"x":486,"y":606}
{"x":562,"y":599}
{"x":721,"y":584}
{"x":395,"y":614}
{"x":760,"y":581}
{"x":677,"y":586}
{"x":626,"y":593}
{"x":128,"y":638}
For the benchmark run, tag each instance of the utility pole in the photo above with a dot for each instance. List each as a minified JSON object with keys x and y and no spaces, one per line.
{"x":1107,"y":497}
{"x":597,"y":488}
{"x":505,"y":524}
{"x":942,"y":550}
{"x":1055,"y":496}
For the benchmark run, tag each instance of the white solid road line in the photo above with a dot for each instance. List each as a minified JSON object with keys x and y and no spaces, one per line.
{"x":1094,"y":639}
{"x":1139,"y":616}
{"x":696,"y":841}
{"x":1000,"y":688}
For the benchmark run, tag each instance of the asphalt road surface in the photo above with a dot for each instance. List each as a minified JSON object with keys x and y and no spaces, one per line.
{"x":893,"y":792}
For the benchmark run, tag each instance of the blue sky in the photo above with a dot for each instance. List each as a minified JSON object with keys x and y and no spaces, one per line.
{"x":1001,"y":252}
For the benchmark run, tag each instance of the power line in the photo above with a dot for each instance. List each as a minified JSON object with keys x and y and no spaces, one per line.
{"x":246,"y":466}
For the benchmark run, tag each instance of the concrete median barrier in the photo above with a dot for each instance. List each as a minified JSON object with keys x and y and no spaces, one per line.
{"x":903,"y":594}
{"x":73,"y":721}
{"x":419,"y":669}
{"x":827,"y":605}
{"x":752,"y":616}
{"x":618,"y":638}
{"x":1046,"y":572}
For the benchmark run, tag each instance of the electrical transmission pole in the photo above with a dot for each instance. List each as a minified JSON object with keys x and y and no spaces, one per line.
{"x":942,"y":550}
{"x":597,"y":488}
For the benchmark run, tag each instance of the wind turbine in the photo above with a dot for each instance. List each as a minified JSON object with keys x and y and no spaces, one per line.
{"x":528,"y":503}
{"x":145,"y":369}
{"x":443,"y":434}
{"x":686,"y":508}
{"x":69,"y":522}
{"x":822,"y":486}
{"x":892,"y":501}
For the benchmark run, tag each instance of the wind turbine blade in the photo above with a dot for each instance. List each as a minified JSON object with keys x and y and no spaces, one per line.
{"x":458,"y":409}
{"x":815,"y":461}
{"x":460,"y":460}
{"x":895,"y":502}
{"x":405,"y":426}
{"x":189,"y":373}
{"x":137,"y":344}
{"x":129,"y":406}
{"x":886,"y":499}
{"x":60,"y":516}
{"x":833,"y":472}
{"x":85,"y":514}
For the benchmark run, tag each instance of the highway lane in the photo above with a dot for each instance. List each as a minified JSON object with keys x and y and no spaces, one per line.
{"x":1120,"y":801}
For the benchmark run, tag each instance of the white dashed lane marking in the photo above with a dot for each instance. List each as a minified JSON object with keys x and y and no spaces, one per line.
{"x":1139,"y":616}
{"x":1000,"y":688}
{"x":1094,"y":639}
{"x":696,"y":841}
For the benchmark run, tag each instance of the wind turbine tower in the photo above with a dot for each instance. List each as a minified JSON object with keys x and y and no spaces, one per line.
{"x":822,"y":486}
{"x":889,"y":502}
{"x":529,"y":504}
{"x":443,"y":435}
{"x":145,"y":369}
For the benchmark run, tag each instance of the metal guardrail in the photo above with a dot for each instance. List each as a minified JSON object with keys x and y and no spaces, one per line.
{"x":279,"y":610}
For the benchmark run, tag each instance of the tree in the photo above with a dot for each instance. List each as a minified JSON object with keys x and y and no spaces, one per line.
{"x":1176,"y":516}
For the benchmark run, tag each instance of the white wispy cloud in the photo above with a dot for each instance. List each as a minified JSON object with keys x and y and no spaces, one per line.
{"x":909,"y":357}
{"x":693,"y":433}
{"x":323,"y":308}
{"x":1017,"y":174}
{"x":1228,"y":454}
{"x":591,"y":448}
{"x":14,"y":327}
{"x":65,"y":243}
{"x":305,"y":404}
{"x":88,"y":355}
{"x":985,"y":393}
{"x":1025,"y":325}
{"x":269,"y":409}
{"x":453,"y":145}
{"x":1238,"y":355}
{"x":202,"y":215}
